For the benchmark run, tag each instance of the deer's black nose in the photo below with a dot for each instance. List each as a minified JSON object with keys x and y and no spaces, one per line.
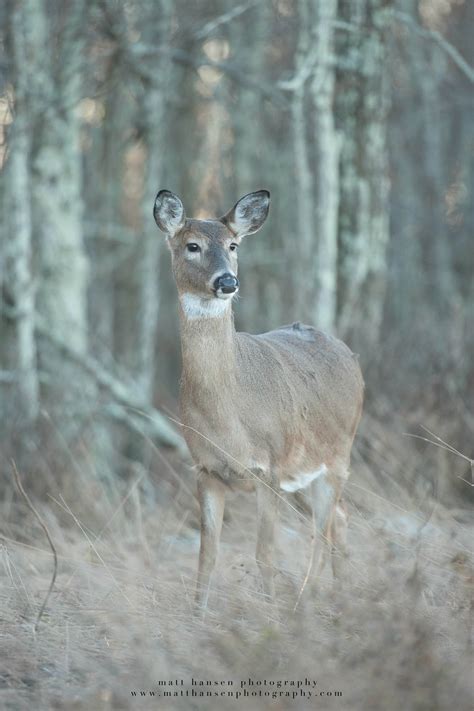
{"x":227,"y":283}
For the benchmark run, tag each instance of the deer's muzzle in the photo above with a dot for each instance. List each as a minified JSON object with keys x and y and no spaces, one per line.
{"x":226,"y":284}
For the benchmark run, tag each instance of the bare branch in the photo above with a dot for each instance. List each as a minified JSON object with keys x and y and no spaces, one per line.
{"x":446,"y":447}
{"x":304,"y":72}
{"x":312,"y":60}
{"x":232,"y":70}
{"x":158,"y":425}
{"x":451,"y":51}
{"x":224,"y":19}
{"x":136,"y":56}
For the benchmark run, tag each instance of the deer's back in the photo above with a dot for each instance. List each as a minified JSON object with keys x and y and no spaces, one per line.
{"x":306,"y":393}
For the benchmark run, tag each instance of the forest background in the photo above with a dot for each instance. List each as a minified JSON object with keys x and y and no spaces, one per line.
{"x":357,"y":116}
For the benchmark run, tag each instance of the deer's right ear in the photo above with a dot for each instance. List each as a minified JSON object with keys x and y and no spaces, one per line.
{"x":168,"y":212}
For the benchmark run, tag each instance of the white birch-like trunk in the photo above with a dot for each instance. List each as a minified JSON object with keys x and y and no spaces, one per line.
{"x":363,"y":214}
{"x":316,"y":160}
{"x":251,"y":159}
{"x":20,"y":396}
{"x":103,"y":192}
{"x":305,"y":233}
{"x":326,"y":155}
{"x":58,"y":212}
{"x":137,"y":283}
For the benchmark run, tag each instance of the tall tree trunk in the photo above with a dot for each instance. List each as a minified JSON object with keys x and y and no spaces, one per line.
{"x":326,"y":161}
{"x":180,"y":171}
{"x":251,"y":157}
{"x":442,"y":295}
{"x":316,"y":151}
{"x":424,"y":298}
{"x":58,"y":211}
{"x":137,"y":280}
{"x":362,"y":107}
{"x":407,"y":280}
{"x":19,"y":378}
{"x":108,"y":246}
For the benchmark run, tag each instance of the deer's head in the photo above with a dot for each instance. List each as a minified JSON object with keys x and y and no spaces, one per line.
{"x":204,"y":252}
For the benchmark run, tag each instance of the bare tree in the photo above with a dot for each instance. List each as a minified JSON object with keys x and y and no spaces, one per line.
{"x":137,"y":277}
{"x":316,"y":150}
{"x":58,"y":207}
{"x":361,"y":109}
{"x":19,"y":376}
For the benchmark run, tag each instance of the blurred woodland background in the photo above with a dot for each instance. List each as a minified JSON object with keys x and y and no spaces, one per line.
{"x":357,"y":115}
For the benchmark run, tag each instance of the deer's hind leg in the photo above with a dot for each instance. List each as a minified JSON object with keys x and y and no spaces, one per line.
{"x":325,"y":495}
{"x":338,"y":538}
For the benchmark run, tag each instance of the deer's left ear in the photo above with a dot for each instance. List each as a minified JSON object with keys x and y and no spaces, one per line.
{"x":248,"y":214}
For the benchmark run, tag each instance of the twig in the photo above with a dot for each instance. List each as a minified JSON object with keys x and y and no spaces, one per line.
{"x":303,"y":73}
{"x":66,"y":508}
{"x":141,"y":59}
{"x":231,"y":69}
{"x":310,"y":564}
{"x":457,"y":58}
{"x":224,"y":19}
{"x":50,"y":541}
{"x":441,"y":446}
{"x":447,"y":448}
{"x":414,"y":578}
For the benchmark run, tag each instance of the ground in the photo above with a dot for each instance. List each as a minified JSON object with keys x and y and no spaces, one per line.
{"x":393,"y":635}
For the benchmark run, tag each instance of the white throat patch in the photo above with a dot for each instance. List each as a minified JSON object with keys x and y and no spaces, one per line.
{"x":195,"y":307}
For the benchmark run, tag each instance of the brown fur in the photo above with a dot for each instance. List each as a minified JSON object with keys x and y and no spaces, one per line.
{"x":289,"y":399}
{"x":257,"y":410}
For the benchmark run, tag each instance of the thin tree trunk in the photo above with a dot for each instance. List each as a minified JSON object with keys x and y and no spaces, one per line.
{"x":363,"y":223}
{"x":137,"y":282}
{"x":251,"y":155}
{"x":316,"y":156}
{"x":58,"y":212}
{"x":18,"y":347}
{"x":424,"y":296}
{"x":326,"y":168}
{"x":103,"y":187}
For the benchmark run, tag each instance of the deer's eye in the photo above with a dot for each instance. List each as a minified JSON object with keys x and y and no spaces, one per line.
{"x":193,"y":247}
{"x":233,"y":247}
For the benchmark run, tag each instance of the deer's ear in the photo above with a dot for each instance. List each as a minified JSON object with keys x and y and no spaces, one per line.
{"x":248,"y":214}
{"x":168,"y":212}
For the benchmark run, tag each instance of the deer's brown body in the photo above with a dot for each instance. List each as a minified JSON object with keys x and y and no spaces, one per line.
{"x":287,"y":401}
{"x":276,"y":411}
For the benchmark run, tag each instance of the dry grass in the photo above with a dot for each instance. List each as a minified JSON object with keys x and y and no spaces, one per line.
{"x":394,"y":636}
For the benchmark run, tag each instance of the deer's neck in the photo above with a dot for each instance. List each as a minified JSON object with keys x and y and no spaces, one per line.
{"x":207,"y":343}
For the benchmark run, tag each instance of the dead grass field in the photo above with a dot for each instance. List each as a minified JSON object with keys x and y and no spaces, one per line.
{"x":394,"y":636}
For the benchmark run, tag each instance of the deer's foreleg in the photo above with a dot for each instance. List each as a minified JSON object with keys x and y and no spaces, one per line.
{"x":267,"y":514}
{"x":211,"y":494}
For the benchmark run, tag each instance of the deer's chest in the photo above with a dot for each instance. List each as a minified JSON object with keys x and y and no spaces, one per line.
{"x":220,"y":443}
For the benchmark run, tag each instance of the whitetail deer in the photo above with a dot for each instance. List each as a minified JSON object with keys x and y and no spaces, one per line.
{"x":267,"y":412}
